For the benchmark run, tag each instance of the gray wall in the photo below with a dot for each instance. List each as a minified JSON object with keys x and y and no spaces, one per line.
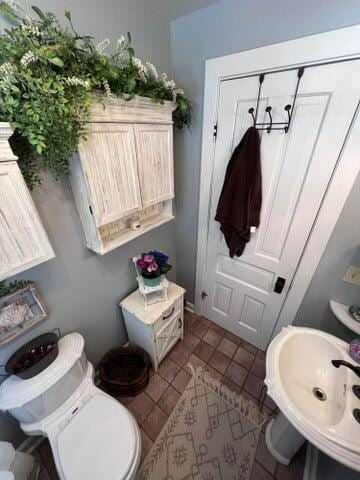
{"x":81,"y":289}
{"x":228,"y":27}
{"x":342,"y":250}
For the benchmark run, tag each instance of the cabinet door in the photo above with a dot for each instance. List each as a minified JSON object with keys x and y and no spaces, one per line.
{"x":23,"y":241}
{"x":108,"y":159}
{"x":154,"y":146}
{"x":169,"y":335}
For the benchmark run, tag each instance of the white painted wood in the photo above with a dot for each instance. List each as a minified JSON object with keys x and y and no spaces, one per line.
{"x":6,"y":154}
{"x":156,"y":327}
{"x":108,"y":159}
{"x":296,"y":170}
{"x":341,"y":312}
{"x":154,"y":146}
{"x":23,"y":240}
{"x":137,"y":110}
{"x":124,"y":170}
{"x":338,"y":45}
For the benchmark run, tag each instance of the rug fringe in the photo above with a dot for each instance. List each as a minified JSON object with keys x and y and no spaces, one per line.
{"x":244,"y":406}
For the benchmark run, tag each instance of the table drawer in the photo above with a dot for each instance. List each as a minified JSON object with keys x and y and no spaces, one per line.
{"x":168,"y":315}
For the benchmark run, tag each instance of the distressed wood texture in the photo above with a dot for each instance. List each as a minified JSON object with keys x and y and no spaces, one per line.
{"x":156,"y":327}
{"x":124,"y":170}
{"x":155,"y":149}
{"x":137,"y":110}
{"x":31,"y":297}
{"x":23,"y":240}
{"x":108,"y":159}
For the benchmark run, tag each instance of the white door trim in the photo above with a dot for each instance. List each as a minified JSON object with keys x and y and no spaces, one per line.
{"x":335,"y":45}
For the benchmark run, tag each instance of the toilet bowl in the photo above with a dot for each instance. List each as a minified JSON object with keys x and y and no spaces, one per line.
{"x":92,"y":436}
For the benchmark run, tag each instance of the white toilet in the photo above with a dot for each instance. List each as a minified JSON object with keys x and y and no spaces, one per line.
{"x":92,"y":436}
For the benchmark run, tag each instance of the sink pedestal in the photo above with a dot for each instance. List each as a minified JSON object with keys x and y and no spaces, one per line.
{"x":282,"y":439}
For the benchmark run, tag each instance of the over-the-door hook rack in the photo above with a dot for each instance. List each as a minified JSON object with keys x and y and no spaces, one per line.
{"x":270,"y":125}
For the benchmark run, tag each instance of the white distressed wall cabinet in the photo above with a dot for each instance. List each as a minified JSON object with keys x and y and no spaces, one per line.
{"x":23,"y":240}
{"x":157,"y":327}
{"x":124,"y":170}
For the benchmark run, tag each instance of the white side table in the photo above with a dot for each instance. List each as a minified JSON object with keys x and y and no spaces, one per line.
{"x":157,"y":327}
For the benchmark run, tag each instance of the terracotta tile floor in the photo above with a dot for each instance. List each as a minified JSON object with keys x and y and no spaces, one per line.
{"x":228,"y":358}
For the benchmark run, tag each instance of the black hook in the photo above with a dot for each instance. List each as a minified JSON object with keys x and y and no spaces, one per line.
{"x":268,"y":110}
{"x":261,"y":79}
{"x":287,"y":108}
{"x":251,"y":111}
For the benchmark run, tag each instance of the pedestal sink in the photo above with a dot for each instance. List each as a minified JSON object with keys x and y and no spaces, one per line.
{"x":316,"y":398}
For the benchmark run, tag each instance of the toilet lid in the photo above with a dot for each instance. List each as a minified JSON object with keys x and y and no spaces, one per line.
{"x":100,"y":442}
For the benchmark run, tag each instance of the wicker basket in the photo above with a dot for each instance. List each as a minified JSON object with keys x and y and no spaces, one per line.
{"x":125,"y":371}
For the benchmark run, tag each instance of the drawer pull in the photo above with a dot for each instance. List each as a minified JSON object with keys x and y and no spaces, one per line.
{"x":180,"y":323}
{"x":167,"y":316}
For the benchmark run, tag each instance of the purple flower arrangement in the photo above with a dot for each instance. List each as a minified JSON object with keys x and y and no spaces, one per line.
{"x":354,"y":350}
{"x":151,"y":265}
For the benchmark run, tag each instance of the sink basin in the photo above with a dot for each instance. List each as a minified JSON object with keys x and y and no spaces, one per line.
{"x":314,"y":396}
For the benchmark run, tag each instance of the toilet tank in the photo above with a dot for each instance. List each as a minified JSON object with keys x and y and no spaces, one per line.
{"x":36,"y":398}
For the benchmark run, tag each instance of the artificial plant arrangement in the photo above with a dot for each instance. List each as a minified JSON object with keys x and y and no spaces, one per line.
{"x":8,"y":288}
{"x":152,"y":265}
{"x":48,"y":78}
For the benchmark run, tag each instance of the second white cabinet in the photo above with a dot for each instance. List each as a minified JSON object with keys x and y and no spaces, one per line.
{"x":157,"y":327}
{"x":124,"y":172}
{"x":23,"y":240}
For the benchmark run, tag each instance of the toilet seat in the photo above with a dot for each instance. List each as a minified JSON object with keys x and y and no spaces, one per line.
{"x":100,"y":442}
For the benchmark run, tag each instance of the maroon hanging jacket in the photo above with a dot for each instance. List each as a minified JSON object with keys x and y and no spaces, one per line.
{"x":240,"y":200}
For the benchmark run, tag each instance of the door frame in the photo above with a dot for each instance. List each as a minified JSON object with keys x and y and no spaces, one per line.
{"x":339,"y":44}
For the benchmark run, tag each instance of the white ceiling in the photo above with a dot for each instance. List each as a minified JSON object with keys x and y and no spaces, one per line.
{"x":172,"y":9}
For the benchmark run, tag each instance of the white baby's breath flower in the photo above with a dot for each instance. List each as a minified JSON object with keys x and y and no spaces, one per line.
{"x":176,"y":92}
{"x":170,"y":84}
{"x":163,"y":77}
{"x":28,"y":58}
{"x":7,"y":69}
{"x":106,"y":88}
{"x":140,"y":68}
{"x":151,"y":71}
{"x":120,"y":42}
{"x":30,"y":29}
{"x":102,"y":46}
{"x":76,"y":81}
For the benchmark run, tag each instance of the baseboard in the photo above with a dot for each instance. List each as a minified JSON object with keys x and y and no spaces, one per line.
{"x":312,"y":455}
{"x":30,"y":444}
{"x":190,"y":307}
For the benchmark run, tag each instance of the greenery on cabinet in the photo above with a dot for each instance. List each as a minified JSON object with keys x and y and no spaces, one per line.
{"x":7,"y":288}
{"x":48,"y":78}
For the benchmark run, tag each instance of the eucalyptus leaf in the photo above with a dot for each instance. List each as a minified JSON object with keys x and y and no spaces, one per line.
{"x":8,"y":12}
{"x":56,"y":61}
{"x":39,"y":12}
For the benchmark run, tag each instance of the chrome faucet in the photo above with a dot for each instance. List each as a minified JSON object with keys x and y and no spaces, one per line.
{"x":338,"y":363}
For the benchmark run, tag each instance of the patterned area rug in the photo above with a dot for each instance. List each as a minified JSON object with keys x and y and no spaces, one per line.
{"x":212,"y":434}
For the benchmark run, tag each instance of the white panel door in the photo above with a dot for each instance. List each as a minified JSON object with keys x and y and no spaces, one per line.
{"x":296,"y":169}
{"x":23,"y":240}
{"x":154,"y":146}
{"x":108,"y":159}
